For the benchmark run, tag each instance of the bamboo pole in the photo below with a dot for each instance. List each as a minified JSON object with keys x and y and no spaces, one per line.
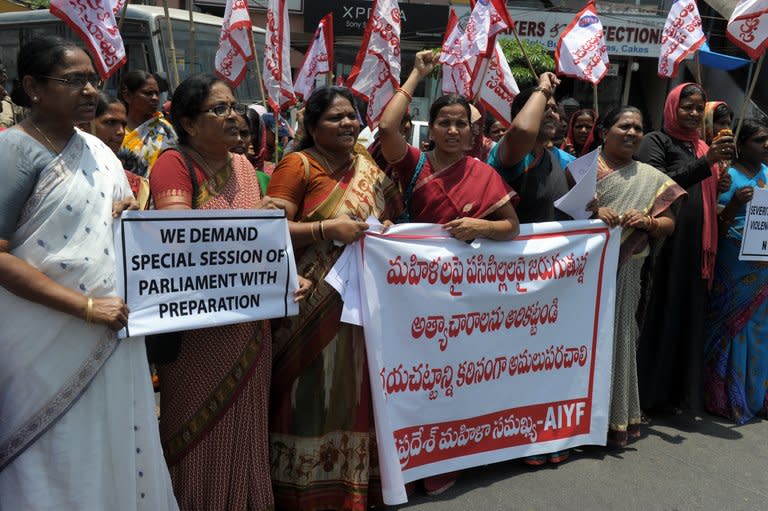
{"x":171,"y":44}
{"x":122,"y":16}
{"x":525,"y":54}
{"x":697,"y":64}
{"x":594,"y":99}
{"x":755,"y":76}
{"x":191,"y":59}
{"x":276,"y":113}
{"x":627,"y":81}
{"x":258,"y":73}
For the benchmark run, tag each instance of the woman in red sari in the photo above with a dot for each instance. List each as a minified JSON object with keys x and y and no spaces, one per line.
{"x":322,"y":441}
{"x":445,"y":186}
{"x":215,"y":394}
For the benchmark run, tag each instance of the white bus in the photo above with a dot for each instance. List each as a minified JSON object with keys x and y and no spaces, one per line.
{"x":146,"y":42}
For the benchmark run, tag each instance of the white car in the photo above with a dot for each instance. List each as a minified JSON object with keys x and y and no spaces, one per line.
{"x":420,"y":132}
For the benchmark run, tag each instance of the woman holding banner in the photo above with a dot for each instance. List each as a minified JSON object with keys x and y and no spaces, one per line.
{"x":670,"y":358}
{"x":78,"y":426}
{"x":215,"y":393}
{"x":149,"y":132}
{"x":736,"y":351}
{"x":639,"y":198}
{"x":322,"y":444}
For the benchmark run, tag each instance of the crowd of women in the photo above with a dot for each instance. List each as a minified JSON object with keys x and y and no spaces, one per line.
{"x":261,"y":416}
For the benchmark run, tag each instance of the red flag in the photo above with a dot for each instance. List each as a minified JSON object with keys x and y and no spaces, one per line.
{"x":682,"y":36}
{"x":318,"y":59}
{"x":95,"y":23}
{"x":235,"y":43}
{"x":457,"y":77}
{"x":376,"y":73}
{"x":277,"y":58}
{"x":488,"y":18}
{"x":748,"y":27}
{"x":498,"y":87}
{"x":581,"y":52}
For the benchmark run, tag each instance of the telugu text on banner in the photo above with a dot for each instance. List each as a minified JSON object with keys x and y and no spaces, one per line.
{"x":488,"y":351}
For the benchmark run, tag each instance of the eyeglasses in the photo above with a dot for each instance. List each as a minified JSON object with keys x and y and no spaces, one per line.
{"x":224,"y":109}
{"x":78,"y":82}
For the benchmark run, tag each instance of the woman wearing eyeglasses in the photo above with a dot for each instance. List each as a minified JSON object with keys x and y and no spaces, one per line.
{"x":78,"y":427}
{"x":148,"y":132}
{"x":213,"y":422}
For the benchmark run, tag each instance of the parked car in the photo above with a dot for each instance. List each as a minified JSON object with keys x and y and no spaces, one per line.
{"x":420,"y":132}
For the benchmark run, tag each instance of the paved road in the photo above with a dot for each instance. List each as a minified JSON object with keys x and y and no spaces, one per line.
{"x":684,"y":462}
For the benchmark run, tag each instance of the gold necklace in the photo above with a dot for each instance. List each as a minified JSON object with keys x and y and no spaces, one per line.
{"x":211,"y":187}
{"x":331,"y":171}
{"x":439,"y":163}
{"x":50,"y":144}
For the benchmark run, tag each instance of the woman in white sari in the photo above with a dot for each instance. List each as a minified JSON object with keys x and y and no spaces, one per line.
{"x":77,"y":423}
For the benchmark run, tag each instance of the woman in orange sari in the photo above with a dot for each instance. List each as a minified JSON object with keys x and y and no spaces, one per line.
{"x":322,"y":442}
{"x":213,"y":422}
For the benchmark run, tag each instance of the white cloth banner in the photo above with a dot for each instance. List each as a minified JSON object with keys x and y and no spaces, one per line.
{"x":181,"y":270}
{"x":277,"y":57}
{"x":317,"y":60}
{"x":95,"y":23}
{"x":754,"y":243}
{"x":235,"y":43}
{"x":498,"y":87}
{"x":748,"y":27}
{"x":457,"y":76}
{"x":488,"y":351}
{"x":581,"y":51}
{"x":376,"y":73}
{"x":682,"y":36}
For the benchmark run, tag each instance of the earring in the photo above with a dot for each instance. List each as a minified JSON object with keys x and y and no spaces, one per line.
{"x":34,"y":99}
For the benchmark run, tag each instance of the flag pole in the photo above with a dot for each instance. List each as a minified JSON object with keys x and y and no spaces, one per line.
{"x":171,"y":44}
{"x":277,"y":139}
{"x":755,"y":75}
{"x":627,"y":81}
{"x":525,"y":53}
{"x":594,"y":98}
{"x":697,"y":63}
{"x":122,"y":16}
{"x":258,"y":73}
{"x":191,"y":38}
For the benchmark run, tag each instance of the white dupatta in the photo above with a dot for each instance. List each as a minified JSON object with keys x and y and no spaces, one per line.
{"x":48,"y":358}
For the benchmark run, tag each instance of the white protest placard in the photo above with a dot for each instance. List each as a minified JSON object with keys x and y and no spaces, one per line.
{"x":754,"y":243}
{"x":181,"y":270}
{"x":584,"y":173}
{"x":488,"y":351}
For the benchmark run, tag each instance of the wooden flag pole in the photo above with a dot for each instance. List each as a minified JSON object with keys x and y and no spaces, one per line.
{"x":171,"y":44}
{"x":697,"y":63}
{"x":191,"y":39}
{"x":277,"y":138}
{"x":525,"y":54}
{"x":594,"y":99}
{"x":122,"y":16}
{"x":258,"y":75}
{"x":755,"y":75}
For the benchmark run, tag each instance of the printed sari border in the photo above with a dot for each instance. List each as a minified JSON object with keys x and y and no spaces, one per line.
{"x":60,"y":403}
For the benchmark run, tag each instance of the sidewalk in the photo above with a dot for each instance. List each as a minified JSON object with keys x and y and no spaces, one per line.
{"x":684,"y":462}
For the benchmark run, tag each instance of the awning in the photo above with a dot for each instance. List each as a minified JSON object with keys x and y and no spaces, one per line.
{"x":710,"y":58}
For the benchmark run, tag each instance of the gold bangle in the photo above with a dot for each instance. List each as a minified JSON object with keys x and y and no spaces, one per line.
{"x":312,"y":230}
{"x":89,"y":311}
{"x":322,"y":231}
{"x":401,"y":91}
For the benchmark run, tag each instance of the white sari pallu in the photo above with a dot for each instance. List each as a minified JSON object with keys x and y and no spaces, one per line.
{"x":77,"y":413}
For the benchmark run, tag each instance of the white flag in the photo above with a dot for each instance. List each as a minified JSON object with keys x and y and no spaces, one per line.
{"x":682,"y":36}
{"x":277,"y":57}
{"x":376,"y":73}
{"x":748,"y":27}
{"x":95,"y":23}
{"x":498,"y":87}
{"x":581,"y":52}
{"x":488,"y":18}
{"x":317,"y":60}
{"x":457,"y":76}
{"x":235,"y":43}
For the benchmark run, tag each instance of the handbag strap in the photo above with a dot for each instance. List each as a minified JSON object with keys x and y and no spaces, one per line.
{"x":406,"y":216}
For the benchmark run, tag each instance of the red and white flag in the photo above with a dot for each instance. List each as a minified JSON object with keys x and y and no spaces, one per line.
{"x":235,"y":43}
{"x":457,"y":77}
{"x":748,"y":27}
{"x":117,"y":6}
{"x":95,"y":23}
{"x":682,"y":36}
{"x":317,"y":60}
{"x":277,"y":57}
{"x":498,"y":87}
{"x":581,"y":52}
{"x":488,"y":18}
{"x":376,"y":73}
